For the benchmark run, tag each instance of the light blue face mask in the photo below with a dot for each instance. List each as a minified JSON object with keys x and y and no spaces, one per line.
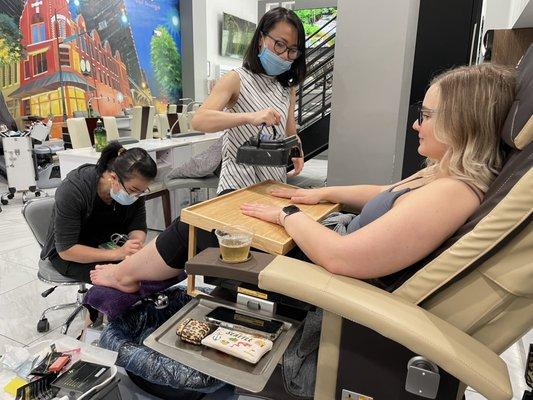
{"x":122,"y":197}
{"x":273,"y":64}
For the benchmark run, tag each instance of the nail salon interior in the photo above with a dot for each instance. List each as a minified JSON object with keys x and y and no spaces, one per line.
{"x":257,"y":199}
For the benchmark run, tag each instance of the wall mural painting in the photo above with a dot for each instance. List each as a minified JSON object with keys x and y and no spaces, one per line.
{"x":63,"y":58}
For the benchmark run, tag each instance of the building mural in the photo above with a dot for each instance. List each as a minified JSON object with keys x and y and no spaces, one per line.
{"x":82,"y":54}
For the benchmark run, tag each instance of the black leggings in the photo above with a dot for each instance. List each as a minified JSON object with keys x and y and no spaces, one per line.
{"x":173,"y":243}
{"x":75,"y":270}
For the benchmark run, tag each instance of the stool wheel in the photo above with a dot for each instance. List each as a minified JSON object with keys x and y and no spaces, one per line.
{"x":43,"y":325}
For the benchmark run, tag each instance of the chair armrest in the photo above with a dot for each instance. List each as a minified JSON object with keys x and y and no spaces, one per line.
{"x":395,"y":318}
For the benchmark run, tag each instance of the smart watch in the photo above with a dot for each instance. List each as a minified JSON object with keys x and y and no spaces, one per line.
{"x":288,"y":210}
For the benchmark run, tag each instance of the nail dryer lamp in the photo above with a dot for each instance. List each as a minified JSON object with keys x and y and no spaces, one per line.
{"x":268,"y":152}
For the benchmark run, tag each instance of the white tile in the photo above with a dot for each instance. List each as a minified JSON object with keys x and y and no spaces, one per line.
{"x":12,"y":213}
{"x":27,"y":256}
{"x":4,"y":340}
{"x":74,"y":331}
{"x":13,"y":275}
{"x":527,"y":339}
{"x":22,"y":308}
{"x":516,"y":362}
{"x":14,"y":235}
{"x":471,"y":395}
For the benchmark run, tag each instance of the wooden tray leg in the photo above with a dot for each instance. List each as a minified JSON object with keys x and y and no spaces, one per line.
{"x":191,"y":279}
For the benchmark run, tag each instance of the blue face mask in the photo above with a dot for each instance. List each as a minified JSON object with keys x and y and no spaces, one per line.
{"x":273,"y":64}
{"x":122,"y":197}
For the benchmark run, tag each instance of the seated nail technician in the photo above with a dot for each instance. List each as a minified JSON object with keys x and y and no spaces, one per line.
{"x":458,"y":129}
{"x":261,"y":92}
{"x":96,"y":206}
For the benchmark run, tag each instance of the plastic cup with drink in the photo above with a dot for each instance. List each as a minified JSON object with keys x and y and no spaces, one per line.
{"x":234,"y":242}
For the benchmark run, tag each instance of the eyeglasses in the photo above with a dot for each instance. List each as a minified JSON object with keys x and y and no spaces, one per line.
{"x":280,"y":47}
{"x":128,"y":192}
{"x":424,"y":113}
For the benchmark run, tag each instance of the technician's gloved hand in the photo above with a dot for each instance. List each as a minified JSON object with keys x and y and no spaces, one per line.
{"x":298,"y":166}
{"x":131,"y":246}
{"x":298,"y":162}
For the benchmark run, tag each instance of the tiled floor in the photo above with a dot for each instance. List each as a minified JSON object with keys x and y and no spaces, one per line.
{"x":21,"y":303}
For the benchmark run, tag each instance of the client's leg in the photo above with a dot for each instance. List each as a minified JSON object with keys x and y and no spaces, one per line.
{"x":78,"y":271}
{"x":147,"y":264}
{"x":161,"y":259}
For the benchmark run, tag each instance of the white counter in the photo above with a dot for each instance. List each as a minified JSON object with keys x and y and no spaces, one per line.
{"x":167,"y":153}
{"x":72,"y":158}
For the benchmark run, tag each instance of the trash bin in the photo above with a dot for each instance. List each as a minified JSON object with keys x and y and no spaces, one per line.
{"x":148,"y":369}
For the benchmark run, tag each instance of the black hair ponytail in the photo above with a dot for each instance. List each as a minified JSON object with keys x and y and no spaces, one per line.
{"x":126,"y":163}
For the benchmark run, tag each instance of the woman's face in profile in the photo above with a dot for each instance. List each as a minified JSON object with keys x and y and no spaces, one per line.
{"x":281,"y":32}
{"x":429,"y":146}
{"x":134,"y":186}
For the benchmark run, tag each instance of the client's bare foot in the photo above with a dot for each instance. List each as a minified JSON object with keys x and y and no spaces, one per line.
{"x":106,"y":275}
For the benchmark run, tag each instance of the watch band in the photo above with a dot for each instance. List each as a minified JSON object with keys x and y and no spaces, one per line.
{"x":288,"y":210}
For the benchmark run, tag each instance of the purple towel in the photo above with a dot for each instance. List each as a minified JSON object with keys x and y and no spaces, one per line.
{"x":113,"y":302}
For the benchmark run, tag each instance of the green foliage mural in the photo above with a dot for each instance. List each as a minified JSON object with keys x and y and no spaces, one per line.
{"x":166,"y":62}
{"x":10,"y":48}
{"x":311,"y":19}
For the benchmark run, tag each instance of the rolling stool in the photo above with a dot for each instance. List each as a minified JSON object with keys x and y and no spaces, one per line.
{"x":37,"y":213}
{"x":48,"y":274}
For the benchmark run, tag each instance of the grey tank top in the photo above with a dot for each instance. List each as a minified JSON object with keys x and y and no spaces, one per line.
{"x":375,"y":208}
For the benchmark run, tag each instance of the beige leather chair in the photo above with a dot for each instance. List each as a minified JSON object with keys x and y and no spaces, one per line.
{"x":472,"y":299}
{"x":79,"y":133}
{"x":110,"y":125}
{"x":454,"y":313}
{"x":142,"y":123}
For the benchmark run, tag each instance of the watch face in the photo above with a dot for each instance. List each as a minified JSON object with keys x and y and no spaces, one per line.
{"x":290,"y":209}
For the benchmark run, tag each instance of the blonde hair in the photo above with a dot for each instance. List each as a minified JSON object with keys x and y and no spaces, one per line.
{"x":473,"y":105}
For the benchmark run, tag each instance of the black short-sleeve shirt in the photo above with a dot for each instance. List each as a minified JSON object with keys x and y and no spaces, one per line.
{"x":81,"y":217}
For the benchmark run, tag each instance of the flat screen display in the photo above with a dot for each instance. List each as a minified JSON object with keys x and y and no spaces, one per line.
{"x":236,"y":35}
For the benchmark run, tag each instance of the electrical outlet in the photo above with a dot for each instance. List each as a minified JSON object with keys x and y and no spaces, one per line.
{"x":349,"y":395}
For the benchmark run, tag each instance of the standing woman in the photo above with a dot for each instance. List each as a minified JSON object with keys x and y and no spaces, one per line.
{"x":92,"y":204}
{"x":262,"y":91}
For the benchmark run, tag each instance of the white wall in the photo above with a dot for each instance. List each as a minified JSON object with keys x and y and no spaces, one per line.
{"x":201,"y":36}
{"x":374,"y":54}
{"x":497,"y":14}
{"x":245,"y":9}
{"x":522,"y":14}
{"x":508,"y":14}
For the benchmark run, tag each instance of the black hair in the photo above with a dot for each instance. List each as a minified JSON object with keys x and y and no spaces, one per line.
{"x":126,"y":163}
{"x":298,"y":70}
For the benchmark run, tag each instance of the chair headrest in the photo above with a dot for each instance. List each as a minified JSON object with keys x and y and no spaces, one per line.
{"x":518,"y":127}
